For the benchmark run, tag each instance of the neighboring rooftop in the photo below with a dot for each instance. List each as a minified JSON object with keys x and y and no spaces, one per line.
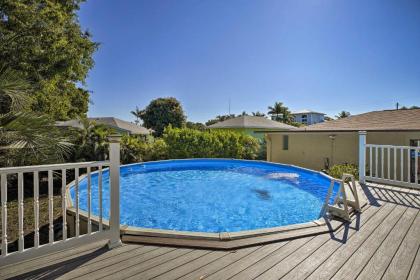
{"x":386,"y":120}
{"x":306,"y":111}
{"x":251,"y":122}
{"x":116,"y":123}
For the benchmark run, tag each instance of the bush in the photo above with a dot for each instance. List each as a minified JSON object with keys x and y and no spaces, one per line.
{"x":338,"y":170}
{"x":191,"y":143}
{"x":134,"y":149}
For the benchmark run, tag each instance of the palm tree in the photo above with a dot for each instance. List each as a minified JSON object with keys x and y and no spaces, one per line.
{"x":258,"y":114}
{"x":280,"y":112}
{"x":26,"y":137}
{"x":343,"y":114}
{"x":137,"y":113}
{"x":92,"y":141}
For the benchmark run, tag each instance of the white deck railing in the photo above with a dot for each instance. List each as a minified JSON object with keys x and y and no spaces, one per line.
{"x":112,"y":233}
{"x":387,"y":164}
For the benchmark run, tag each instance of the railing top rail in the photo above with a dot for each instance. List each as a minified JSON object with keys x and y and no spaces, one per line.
{"x":24,"y":169}
{"x":393,"y":146}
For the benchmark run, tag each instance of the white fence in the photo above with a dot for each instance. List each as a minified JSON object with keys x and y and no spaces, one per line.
{"x":387,"y":164}
{"x":112,"y":233}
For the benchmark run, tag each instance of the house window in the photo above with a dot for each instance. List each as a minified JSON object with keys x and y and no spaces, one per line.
{"x":285,"y":142}
{"x":304,"y":118}
{"x":415,"y":142}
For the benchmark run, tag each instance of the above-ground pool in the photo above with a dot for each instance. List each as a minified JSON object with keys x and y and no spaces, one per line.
{"x":212,"y":195}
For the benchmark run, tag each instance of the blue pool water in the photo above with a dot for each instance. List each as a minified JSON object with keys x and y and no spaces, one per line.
{"x":212,"y":195}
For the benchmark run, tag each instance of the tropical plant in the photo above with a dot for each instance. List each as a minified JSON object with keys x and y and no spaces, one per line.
{"x":162,"y":112}
{"x":338,"y":170}
{"x":409,"y":108}
{"x":137,"y":114}
{"x":26,"y":137}
{"x":43,"y":41}
{"x":91,"y":141}
{"x":220,"y":118}
{"x":195,"y":125}
{"x":342,"y":115}
{"x":258,"y":114}
{"x":280,"y":112}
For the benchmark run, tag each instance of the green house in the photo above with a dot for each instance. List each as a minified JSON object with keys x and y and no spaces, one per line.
{"x":251,"y":125}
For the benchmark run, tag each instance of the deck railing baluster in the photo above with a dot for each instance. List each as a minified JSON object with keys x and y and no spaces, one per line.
{"x":36,"y":208}
{"x":51,"y":206}
{"x":376,"y":161}
{"x":382,"y":162}
{"x":370,"y":161}
{"x":63,"y":201}
{"x":395,"y":163}
{"x":20,"y":212}
{"x":89,"y":192}
{"x":100,"y":197}
{"x":416,"y":165}
{"x":389,"y":162}
{"x":402,"y":164}
{"x":76,"y":199}
{"x":3,"y":183}
{"x":409,"y":165}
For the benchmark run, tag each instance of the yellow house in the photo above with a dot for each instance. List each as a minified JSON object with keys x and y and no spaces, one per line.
{"x":252,"y":125}
{"x":322,"y":145}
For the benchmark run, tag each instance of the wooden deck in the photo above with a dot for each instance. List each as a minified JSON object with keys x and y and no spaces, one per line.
{"x":382,"y":243}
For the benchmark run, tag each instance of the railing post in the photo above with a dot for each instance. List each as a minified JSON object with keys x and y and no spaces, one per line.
{"x":114,"y":173}
{"x":362,"y":156}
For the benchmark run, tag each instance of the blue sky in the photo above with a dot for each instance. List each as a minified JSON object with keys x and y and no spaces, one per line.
{"x":324,"y":55}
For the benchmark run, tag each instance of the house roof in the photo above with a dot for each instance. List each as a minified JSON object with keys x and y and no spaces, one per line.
{"x":108,"y":121}
{"x":70,"y":123}
{"x":252,"y":122}
{"x":306,"y":111}
{"x":121,"y":124}
{"x":387,"y":120}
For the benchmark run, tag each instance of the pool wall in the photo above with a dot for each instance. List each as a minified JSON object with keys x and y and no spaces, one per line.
{"x":221,"y":240}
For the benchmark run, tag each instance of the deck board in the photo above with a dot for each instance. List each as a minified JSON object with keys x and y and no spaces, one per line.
{"x":401,"y":263}
{"x":379,"y":262}
{"x":305,"y":252}
{"x":415,"y":268}
{"x":383,"y":243}
{"x":330,"y":257}
{"x":363,"y":252}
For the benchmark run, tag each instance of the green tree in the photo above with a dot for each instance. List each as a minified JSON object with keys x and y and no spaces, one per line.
{"x":195,"y":125}
{"x":220,"y":118}
{"x":280,"y":112}
{"x":26,"y":137}
{"x":137,"y":114}
{"x":258,"y":114}
{"x":342,"y":115}
{"x":91,"y":141}
{"x":43,"y":41}
{"x":409,"y":108}
{"x":162,"y":112}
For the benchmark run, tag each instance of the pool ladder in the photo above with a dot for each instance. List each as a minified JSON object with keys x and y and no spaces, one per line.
{"x":347,"y":197}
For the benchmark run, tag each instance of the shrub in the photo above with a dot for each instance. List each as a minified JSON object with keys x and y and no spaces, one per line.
{"x":134,"y":149}
{"x":191,"y":143}
{"x":337,"y":170}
